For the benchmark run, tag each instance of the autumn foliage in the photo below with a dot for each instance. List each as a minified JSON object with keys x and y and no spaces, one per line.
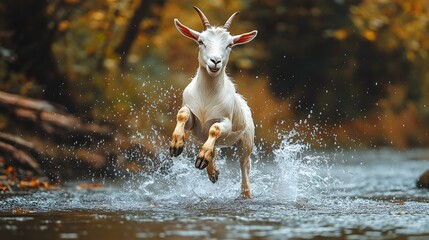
{"x":355,"y":69}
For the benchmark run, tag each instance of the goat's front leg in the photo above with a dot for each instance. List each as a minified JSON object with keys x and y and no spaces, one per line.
{"x":181,"y":132}
{"x":206,"y":157}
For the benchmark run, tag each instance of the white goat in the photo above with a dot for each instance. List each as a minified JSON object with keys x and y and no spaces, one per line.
{"x":212,"y":109}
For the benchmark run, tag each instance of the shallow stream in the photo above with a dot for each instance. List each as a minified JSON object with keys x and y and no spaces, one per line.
{"x":300,"y":194}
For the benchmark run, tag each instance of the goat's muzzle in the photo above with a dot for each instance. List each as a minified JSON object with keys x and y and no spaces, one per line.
{"x":214,"y":65}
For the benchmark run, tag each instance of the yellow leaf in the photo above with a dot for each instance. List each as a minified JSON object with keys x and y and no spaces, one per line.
{"x":63,"y":25}
{"x":98,"y":15}
{"x":370,"y":35}
{"x":340,"y":34}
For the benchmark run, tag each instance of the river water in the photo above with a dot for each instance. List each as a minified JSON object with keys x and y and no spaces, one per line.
{"x":297,"y":193}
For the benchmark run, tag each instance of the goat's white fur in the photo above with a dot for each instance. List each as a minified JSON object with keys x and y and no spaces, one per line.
{"x":212,"y":109}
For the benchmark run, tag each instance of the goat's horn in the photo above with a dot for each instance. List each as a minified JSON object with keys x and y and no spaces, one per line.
{"x":229,"y":21}
{"x":203,"y":17}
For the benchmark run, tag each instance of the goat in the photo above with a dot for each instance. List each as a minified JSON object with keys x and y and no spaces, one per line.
{"x":212,"y":110}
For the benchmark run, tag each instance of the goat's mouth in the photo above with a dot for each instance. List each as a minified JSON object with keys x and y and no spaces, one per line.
{"x":214,"y":70}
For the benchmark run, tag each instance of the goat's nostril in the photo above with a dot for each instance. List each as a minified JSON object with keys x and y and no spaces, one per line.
{"x":215,"y":61}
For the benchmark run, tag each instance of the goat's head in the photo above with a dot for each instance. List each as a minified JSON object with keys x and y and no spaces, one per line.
{"x":215,"y":43}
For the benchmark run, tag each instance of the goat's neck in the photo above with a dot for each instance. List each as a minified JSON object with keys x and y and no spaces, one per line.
{"x":210,"y":83}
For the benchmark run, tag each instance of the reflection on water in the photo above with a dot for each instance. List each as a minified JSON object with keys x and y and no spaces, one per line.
{"x":300,"y":194}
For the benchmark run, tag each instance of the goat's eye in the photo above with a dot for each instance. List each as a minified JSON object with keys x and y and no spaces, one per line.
{"x":200,"y":42}
{"x":229,"y":45}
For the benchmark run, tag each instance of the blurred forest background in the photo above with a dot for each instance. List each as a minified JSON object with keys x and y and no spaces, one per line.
{"x":351,"y":73}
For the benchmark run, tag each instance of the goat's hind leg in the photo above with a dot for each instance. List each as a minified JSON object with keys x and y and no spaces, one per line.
{"x":212,"y":170}
{"x":245,"y":148}
{"x":181,"y":132}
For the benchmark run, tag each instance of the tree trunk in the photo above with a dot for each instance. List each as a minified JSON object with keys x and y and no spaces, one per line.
{"x":32,"y":35}
{"x":141,"y":12}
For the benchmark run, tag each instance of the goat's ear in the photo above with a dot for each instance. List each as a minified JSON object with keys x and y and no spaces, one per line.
{"x":245,"y":37}
{"x":185,"y":31}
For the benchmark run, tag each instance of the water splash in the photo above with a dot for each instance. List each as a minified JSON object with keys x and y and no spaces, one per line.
{"x":294,"y":173}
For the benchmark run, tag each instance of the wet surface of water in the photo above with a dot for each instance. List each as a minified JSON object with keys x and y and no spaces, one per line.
{"x":355,"y":195}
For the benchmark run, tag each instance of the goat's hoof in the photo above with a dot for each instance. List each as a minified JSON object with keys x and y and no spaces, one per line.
{"x":175,"y":151}
{"x":201,"y":163}
{"x":245,"y":194}
{"x":214,"y":176}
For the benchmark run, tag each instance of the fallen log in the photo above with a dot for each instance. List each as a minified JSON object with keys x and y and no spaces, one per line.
{"x":16,"y":101}
{"x":50,"y":118}
{"x":25,"y":159}
{"x":18,"y":142}
{"x":45,"y":139}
